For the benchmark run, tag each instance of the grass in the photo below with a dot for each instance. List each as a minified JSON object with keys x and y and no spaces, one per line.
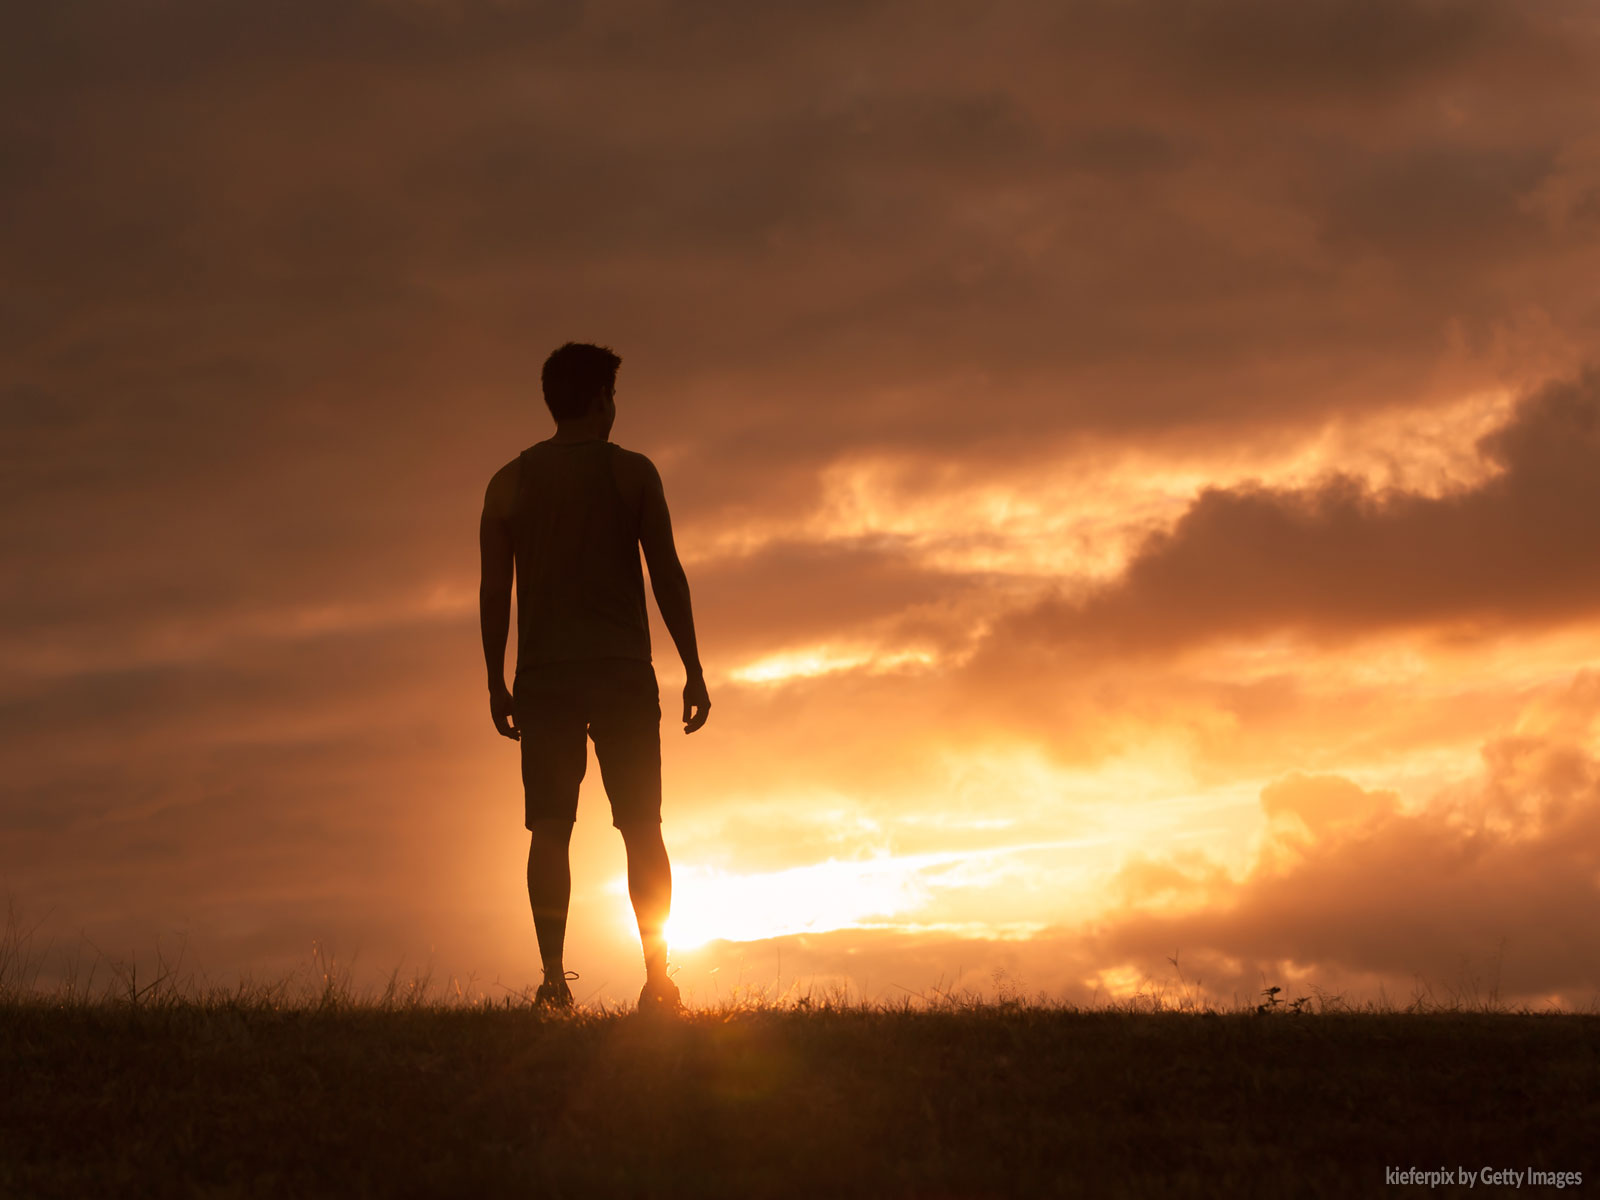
{"x":152,"y":1088}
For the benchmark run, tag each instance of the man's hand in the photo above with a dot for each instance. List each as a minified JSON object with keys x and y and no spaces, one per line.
{"x":695,"y":697}
{"x":505,"y":721}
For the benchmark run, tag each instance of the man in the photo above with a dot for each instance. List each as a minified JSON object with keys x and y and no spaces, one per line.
{"x":569,"y":515}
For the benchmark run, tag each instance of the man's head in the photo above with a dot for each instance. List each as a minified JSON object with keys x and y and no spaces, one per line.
{"x":578,"y":379}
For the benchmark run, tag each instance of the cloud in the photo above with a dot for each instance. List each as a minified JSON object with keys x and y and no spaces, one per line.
{"x":1493,"y":883}
{"x":1323,"y":802}
{"x":1336,"y":561}
{"x":1312,"y":52}
{"x":263,"y":261}
{"x":747,"y":603}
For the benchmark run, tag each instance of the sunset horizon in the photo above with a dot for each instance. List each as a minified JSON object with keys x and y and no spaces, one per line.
{"x":1133,"y":470}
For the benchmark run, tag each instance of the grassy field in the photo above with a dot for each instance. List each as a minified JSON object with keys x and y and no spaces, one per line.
{"x":250,"y":1094}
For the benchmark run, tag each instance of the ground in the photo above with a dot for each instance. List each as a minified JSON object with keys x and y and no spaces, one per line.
{"x":243,"y":1098}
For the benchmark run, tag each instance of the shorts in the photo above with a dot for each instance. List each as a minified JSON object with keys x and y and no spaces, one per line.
{"x":560,"y":705}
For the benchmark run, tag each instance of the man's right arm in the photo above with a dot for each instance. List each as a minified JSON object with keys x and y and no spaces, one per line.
{"x":671,"y":588}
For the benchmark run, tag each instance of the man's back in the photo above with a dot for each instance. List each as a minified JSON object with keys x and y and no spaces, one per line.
{"x":574,"y":520}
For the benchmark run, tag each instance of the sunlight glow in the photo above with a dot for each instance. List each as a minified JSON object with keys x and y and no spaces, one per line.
{"x":710,"y":904}
{"x":882,"y":892}
{"x":825,"y":660}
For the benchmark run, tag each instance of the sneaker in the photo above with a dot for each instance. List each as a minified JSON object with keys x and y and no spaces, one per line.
{"x":660,"y":996}
{"x":554,"y":993}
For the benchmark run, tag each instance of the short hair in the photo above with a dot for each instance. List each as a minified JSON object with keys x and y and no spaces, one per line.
{"x":574,"y":375}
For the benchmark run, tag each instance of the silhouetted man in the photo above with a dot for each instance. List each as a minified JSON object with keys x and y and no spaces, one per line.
{"x":570,"y":514}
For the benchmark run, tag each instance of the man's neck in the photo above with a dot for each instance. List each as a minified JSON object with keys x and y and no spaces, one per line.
{"x":591,"y":427}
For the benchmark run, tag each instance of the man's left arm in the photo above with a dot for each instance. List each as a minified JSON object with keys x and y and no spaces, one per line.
{"x":494,"y":600}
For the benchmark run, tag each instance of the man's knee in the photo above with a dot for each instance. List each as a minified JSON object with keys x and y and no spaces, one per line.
{"x":553,"y":831}
{"x":641,"y":835}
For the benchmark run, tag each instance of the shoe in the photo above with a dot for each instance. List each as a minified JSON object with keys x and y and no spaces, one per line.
{"x":554,"y":993}
{"x":660,"y":996}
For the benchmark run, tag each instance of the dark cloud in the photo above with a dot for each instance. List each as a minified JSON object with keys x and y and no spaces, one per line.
{"x":1327,"y":48}
{"x":874,"y":585}
{"x":1339,"y":561}
{"x":875,"y":207}
{"x":284,"y":724}
{"x":1417,"y":206}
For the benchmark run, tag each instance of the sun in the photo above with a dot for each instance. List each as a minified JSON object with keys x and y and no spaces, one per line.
{"x":711,"y":905}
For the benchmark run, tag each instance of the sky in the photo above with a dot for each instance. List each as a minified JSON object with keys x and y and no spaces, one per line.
{"x":1137,"y":467}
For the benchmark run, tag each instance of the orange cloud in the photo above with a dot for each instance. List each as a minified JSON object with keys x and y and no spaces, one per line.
{"x":1491,"y":881}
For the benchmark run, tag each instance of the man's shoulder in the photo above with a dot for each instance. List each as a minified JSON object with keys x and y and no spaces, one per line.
{"x":632,"y":457}
{"x":636,"y":467}
{"x":501,"y":496}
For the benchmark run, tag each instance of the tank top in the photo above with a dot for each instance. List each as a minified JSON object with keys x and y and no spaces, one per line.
{"x":580,"y":589}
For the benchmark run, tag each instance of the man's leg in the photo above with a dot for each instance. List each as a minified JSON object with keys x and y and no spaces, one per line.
{"x":650,"y":889}
{"x":550,"y":889}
